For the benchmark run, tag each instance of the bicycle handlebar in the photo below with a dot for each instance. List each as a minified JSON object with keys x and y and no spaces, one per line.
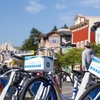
{"x":62,"y":45}
{"x":18,"y":57}
{"x":68,"y":44}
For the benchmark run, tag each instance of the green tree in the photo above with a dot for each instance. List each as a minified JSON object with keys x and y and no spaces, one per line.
{"x":59,"y":61}
{"x":96,"y":48}
{"x":73,"y":56}
{"x":32,"y":42}
{"x":70,"y":58}
{"x":54,"y":29}
{"x":65,"y":26}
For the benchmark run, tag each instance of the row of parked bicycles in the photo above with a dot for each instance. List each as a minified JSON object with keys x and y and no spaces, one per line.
{"x":37,"y":80}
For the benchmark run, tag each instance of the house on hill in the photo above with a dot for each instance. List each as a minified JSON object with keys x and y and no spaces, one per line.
{"x":54,"y":38}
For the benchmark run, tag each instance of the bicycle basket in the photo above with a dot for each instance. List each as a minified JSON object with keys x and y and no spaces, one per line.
{"x":38,"y":63}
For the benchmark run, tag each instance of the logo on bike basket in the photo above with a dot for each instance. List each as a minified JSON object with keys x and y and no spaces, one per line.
{"x":48,"y":64}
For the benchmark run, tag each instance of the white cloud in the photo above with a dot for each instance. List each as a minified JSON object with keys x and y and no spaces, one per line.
{"x":67,"y":18}
{"x":34,"y":7}
{"x":58,"y":6}
{"x":91,"y":3}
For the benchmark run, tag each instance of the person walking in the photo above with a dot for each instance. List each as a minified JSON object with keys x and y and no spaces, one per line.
{"x":87,"y":56}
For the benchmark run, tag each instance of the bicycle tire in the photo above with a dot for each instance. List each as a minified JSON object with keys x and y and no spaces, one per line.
{"x":33,"y":82}
{"x":91,"y":93}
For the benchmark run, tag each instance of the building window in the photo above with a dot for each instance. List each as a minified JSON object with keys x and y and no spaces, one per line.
{"x":68,"y":38}
{"x":54,"y":39}
{"x":82,"y":44}
{"x":78,"y":45}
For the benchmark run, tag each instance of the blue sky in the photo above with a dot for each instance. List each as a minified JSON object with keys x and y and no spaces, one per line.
{"x":18,"y":17}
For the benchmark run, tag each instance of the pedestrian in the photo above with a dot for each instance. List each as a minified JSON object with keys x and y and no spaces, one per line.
{"x":87,"y":56}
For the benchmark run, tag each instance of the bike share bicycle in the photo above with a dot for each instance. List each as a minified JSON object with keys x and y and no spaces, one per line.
{"x":43,"y":88}
{"x":47,"y":87}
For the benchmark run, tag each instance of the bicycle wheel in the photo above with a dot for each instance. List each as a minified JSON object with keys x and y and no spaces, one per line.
{"x":32,"y":88}
{"x":92,"y":93}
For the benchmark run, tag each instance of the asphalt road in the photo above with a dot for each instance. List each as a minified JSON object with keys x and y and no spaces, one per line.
{"x":66,"y":89}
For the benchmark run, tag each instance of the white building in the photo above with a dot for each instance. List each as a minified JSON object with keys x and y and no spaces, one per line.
{"x":5,"y":47}
{"x":16,"y":50}
{"x":98,"y":36}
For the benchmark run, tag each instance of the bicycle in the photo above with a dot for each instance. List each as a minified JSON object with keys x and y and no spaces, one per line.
{"x":47,"y":87}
